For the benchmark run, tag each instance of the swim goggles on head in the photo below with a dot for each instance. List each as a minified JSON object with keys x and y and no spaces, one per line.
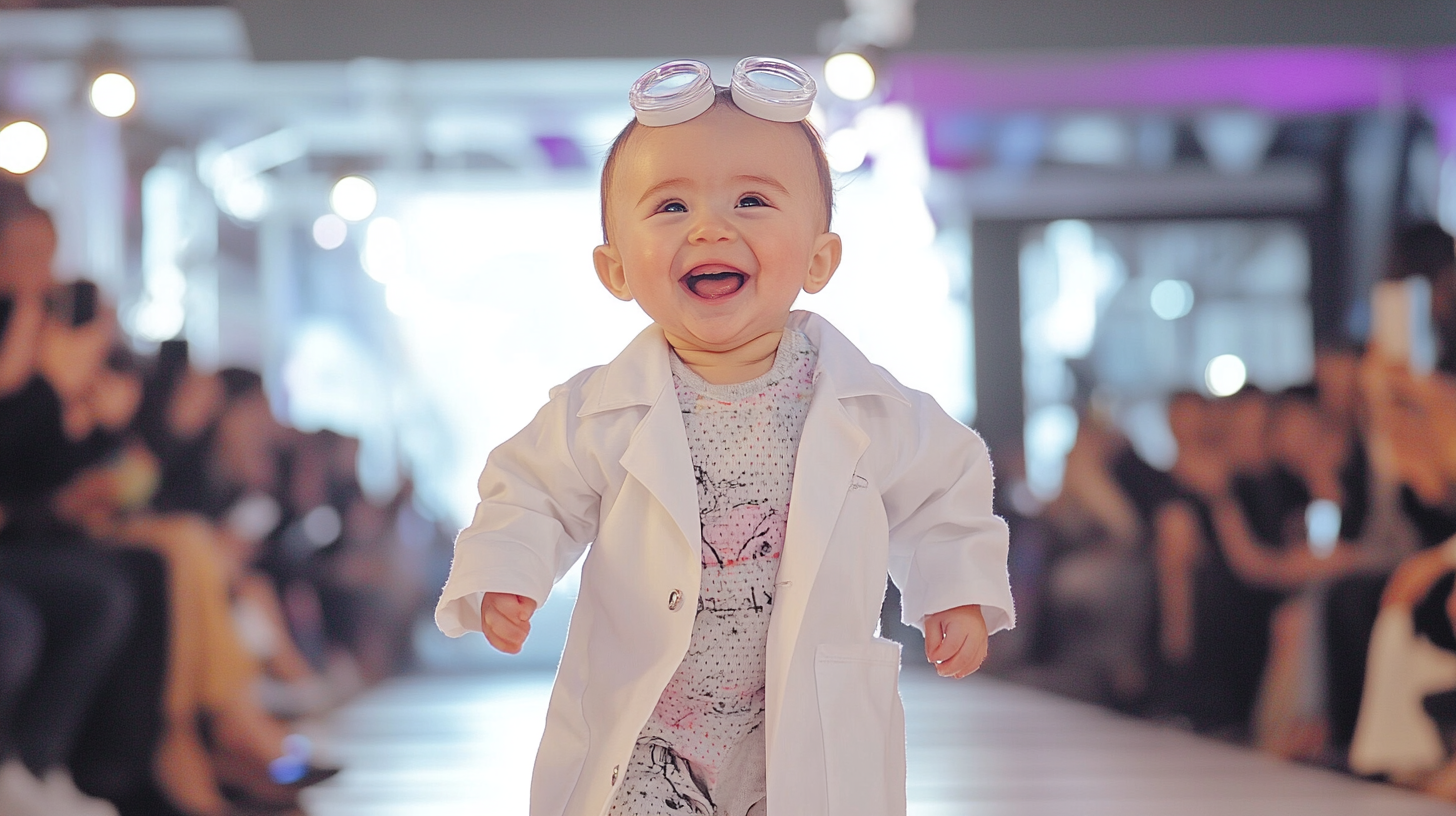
{"x":674,"y":92}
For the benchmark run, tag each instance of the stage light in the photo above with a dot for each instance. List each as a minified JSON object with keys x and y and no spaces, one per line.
{"x":353,"y":198}
{"x":818,"y":119}
{"x":849,"y":76}
{"x":1171,"y":299}
{"x":846,"y":150}
{"x":329,"y":231}
{"x":384,"y":257}
{"x":23,"y":147}
{"x":113,"y":95}
{"x":247,"y":198}
{"x":1225,"y":375}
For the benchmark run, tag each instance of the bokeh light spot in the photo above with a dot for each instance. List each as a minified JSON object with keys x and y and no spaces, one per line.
{"x":846,"y":150}
{"x":1225,"y":375}
{"x":23,"y":147}
{"x":113,"y":95}
{"x":353,"y":198}
{"x":849,"y":76}
{"x":329,"y":231}
{"x":1172,"y":299}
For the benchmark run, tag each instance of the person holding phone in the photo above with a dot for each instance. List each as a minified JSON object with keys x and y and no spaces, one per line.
{"x":86,"y":601}
{"x":1409,"y":378}
{"x":1413,"y":311}
{"x":27,"y":242}
{"x":1408,"y":381}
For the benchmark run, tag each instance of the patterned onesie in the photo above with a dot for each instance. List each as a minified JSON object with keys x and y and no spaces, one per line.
{"x":707,"y":727}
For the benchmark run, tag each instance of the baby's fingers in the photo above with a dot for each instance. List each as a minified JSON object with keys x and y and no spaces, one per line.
{"x":935,"y":645}
{"x":963,"y":662}
{"x":952,"y":647}
{"x":504,"y":632}
{"x":520,"y":607}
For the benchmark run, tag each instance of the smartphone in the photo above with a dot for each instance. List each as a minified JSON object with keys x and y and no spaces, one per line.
{"x":172,"y":357}
{"x":1322,"y":520}
{"x":7,"y":308}
{"x":170,"y":365}
{"x":1401,"y":323}
{"x":74,"y":303}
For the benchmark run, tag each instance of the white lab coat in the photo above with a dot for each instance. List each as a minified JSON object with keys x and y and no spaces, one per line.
{"x":884,"y":480}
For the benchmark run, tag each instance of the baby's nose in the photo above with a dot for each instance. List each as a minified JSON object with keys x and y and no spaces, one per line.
{"x":710,"y":228}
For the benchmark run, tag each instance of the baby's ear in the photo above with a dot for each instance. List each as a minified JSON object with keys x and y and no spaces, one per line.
{"x":608,"y":262}
{"x":827,"y":250}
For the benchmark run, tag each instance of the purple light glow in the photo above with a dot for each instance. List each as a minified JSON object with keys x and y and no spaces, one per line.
{"x":1289,"y":81}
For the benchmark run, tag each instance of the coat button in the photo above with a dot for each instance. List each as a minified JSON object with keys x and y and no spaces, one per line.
{"x":674,"y":600}
{"x":615,"y":768}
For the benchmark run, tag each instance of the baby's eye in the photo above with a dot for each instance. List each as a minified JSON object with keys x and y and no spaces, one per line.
{"x":752,"y":201}
{"x":673,"y":207}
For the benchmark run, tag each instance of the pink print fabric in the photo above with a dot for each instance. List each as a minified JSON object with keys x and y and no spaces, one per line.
{"x":743,"y":439}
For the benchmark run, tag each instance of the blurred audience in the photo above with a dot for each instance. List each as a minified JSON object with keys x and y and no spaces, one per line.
{"x":1237,"y":592}
{"x":182,"y":577}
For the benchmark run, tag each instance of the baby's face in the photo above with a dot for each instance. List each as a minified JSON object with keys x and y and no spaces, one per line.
{"x":715,"y":226}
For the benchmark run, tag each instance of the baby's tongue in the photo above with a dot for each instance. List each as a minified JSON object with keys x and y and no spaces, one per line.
{"x":719,"y":284}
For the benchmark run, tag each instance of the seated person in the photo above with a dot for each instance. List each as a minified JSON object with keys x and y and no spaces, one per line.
{"x":209,"y":673}
{"x":1412,"y":656}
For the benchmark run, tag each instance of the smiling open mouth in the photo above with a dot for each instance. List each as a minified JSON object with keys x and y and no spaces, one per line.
{"x":713,"y":282}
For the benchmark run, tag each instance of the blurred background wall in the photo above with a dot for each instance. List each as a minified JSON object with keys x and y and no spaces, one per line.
{"x":1074,"y":201}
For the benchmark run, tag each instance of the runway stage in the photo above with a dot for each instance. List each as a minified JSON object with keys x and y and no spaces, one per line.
{"x":462,"y":744}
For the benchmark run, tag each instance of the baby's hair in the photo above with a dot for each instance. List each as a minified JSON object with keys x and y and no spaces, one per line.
{"x":724,"y":98}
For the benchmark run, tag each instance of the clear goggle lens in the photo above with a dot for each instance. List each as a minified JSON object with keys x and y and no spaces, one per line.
{"x":773,"y":89}
{"x":674,"y":92}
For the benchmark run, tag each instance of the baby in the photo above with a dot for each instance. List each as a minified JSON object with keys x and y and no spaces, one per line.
{"x":746,"y":479}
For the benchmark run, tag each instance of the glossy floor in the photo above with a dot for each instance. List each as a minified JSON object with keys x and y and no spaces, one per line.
{"x":463,"y":744}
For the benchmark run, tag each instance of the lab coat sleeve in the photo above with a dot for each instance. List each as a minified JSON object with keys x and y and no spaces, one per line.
{"x":535,"y":517}
{"x":947,"y":549}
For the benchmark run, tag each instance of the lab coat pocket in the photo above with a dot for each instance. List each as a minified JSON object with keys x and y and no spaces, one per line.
{"x":864,"y":727}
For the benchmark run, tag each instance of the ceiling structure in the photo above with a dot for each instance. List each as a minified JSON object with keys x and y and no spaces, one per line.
{"x":248,"y":112}
{"x":446,"y":85}
{"x":562,"y":29}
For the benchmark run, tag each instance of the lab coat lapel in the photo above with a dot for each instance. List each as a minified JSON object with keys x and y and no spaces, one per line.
{"x":657,"y":456}
{"x":829,"y":449}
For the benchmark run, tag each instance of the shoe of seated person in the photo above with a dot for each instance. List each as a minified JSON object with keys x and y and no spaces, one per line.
{"x":20,"y":791}
{"x":60,"y":793}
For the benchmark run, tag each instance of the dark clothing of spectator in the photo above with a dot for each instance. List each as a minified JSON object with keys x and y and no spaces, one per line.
{"x":1350,"y":611}
{"x":21,"y":637}
{"x":185,"y":485}
{"x":1433,"y":524}
{"x":1230,"y":637}
{"x":1353,"y":605}
{"x":87,"y":605}
{"x":1217,"y":689}
{"x":1273,"y":502}
{"x":30,"y":438}
{"x":36,"y":459}
{"x":1145,"y":486}
{"x":113,"y":756}
{"x":1355,"y":481}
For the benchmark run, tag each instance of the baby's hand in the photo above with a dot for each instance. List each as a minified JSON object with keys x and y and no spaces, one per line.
{"x":506,"y":620}
{"x":955,"y":640}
